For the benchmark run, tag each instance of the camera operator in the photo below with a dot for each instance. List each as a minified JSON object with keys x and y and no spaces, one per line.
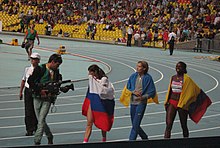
{"x":42,"y":74}
{"x":30,"y":117}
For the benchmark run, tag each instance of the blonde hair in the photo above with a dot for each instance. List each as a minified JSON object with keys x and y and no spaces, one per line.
{"x":145,"y":65}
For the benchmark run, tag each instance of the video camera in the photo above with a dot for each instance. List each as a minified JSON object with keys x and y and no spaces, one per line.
{"x":54,"y":88}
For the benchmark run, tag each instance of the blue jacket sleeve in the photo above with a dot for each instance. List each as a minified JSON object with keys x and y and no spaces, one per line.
{"x":151,"y":90}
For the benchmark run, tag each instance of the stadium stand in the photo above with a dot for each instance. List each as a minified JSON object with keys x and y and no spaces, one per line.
{"x":74,"y":18}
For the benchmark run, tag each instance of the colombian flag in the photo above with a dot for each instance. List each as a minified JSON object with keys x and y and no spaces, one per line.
{"x":198,"y":108}
{"x":192,"y":99}
{"x":102,"y":109}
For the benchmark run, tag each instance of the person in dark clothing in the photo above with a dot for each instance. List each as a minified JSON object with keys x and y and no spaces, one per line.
{"x":22,"y":25}
{"x":93,"y":32}
{"x":30,"y":35}
{"x":171,"y":44}
{"x":43,"y":74}
{"x":199,"y":37}
{"x":211,"y":37}
{"x":60,"y":33}
{"x":30,"y":117}
{"x":129,"y":33}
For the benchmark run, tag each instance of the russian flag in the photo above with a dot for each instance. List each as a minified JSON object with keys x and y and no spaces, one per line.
{"x":198,"y":108}
{"x":102,"y":109}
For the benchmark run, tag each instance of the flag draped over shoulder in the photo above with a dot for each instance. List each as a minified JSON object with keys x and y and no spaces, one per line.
{"x":126,"y":96}
{"x":148,"y":87}
{"x":101,"y":100}
{"x":198,"y":108}
{"x":192,"y":99}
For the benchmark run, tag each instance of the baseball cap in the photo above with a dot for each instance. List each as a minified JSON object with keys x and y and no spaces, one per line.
{"x":35,"y":56}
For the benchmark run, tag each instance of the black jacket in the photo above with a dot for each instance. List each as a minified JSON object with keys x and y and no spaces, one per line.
{"x":38,"y":74}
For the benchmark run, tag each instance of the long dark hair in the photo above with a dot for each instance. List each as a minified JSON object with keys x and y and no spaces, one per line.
{"x":99,"y":73}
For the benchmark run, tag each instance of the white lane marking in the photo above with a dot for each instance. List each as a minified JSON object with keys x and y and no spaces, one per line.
{"x":69,"y":104}
{"x":209,"y":75}
{"x":134,"y":70}
{"x":162,"y":75}
{"x":123,"y":80}
{"x":134,"y":61}
{"x":177,"y":133}
{"x":78,"y":112}
{"x":74,"y":96}
{"x":124,"y":127}
{"x":191,"y":131}
{"x":61,"y":113}
{"x":217,"y":83}
{"x":205,"y":73}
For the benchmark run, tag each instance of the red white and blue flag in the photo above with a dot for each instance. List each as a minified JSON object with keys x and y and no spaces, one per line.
{"x":102,"y":108}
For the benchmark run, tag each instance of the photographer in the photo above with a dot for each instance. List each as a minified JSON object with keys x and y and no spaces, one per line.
{"x":43,"y":74}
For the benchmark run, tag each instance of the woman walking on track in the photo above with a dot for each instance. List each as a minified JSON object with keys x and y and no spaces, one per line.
{"x":99,"y":103}
{"x":186,"y":98}
{"x":142,"y":87}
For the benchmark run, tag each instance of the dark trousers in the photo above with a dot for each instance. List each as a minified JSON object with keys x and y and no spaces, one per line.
{"x":30,"y":117}
{"x":210,"y":44}
{"x":171,"y":49}
{"x":93,"y":36}
{"x":129,"y":40}
{"x":199,"y":43}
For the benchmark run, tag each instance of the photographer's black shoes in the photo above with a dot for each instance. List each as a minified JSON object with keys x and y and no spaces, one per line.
{"x":50,"y":140}
{"x":37,"y":143}
{"x":29,"y":134}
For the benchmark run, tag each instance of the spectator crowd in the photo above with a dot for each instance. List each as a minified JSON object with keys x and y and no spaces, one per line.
{"x":150,"y":19}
